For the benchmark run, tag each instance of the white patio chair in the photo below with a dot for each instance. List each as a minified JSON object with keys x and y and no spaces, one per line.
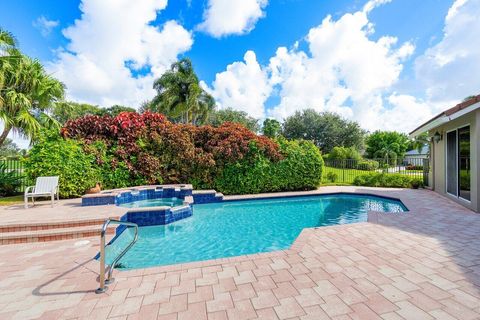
{"x":44,"y":187}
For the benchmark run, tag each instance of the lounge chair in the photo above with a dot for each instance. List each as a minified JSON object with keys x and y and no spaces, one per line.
{"x":44,"y":187}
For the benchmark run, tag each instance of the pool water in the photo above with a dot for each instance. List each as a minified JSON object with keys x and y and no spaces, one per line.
{"x":235,"y":228}
{"x":170,"y":202}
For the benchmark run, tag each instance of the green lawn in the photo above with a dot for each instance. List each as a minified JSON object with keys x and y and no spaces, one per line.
{"x":6,"y":201}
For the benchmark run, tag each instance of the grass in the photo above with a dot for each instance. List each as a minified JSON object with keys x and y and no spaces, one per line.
{"x":7,"y":201}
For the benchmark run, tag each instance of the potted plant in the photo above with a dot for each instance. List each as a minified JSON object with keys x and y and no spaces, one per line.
{"x":96,"y":189}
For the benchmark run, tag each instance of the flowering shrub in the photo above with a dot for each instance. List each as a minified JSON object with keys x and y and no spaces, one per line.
{"x":132,"y":149}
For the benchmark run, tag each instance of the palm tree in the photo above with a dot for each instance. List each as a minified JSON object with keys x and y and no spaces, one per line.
{"x":387,"y":153}
{"x":420,"y":141}
{"x":8,"y":55}
{"x":27,"y":93}
{"x":180,"y":96}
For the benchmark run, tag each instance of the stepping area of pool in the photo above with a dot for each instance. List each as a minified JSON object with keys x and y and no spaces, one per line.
{"x":420,"y":265}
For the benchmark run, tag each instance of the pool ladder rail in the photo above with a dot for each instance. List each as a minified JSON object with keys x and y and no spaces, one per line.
{"x":108,"y":279}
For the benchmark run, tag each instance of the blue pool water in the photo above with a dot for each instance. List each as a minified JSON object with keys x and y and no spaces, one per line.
{"x":235,"y":228}
{"x":170,"y":202}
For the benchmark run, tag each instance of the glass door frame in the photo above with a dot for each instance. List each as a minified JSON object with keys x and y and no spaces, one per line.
{"x":457,"y":156}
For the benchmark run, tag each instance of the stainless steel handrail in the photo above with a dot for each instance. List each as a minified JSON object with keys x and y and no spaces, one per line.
{"x":109,"y":278}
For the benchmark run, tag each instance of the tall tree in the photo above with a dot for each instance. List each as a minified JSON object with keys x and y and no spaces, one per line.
{"x":217,"y":117}
{"x":69,"y":110}
{"x":27,"y":95}
{"x":27,"y":92}
{"x":9,"y":149}
{"x":114,"y":110}
{"x":180,"y":96}
{"x":387,"y":144}
{"x":8,"y":55}
{"x":327,"y":130}
{"x":271,"y":128}
{"x":419,"y":142}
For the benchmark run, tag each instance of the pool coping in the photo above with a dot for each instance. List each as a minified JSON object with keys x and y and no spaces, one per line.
{"x":273,"y":196}
{"x":297,"y":244}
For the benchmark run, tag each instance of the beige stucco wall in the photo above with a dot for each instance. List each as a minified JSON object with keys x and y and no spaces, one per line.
{"x":438,"y":158}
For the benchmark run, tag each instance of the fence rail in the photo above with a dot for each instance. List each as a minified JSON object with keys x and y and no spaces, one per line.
{"x":16,"y":166}
{"x":346,"y":170}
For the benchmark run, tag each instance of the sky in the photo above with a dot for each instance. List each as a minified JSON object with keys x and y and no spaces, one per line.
{"x":388,"y":64}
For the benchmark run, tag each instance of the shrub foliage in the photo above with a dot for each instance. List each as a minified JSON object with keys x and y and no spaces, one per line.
{"x":9,"y":181}
{"x":54,"y":156}
{"x":134,"y":149}
{"x":376,"y":179}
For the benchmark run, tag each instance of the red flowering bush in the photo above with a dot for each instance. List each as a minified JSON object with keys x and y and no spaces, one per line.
{"x":132,"y":149}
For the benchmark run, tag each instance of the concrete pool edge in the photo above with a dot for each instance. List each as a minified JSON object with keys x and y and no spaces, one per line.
{"x":310,"y":194}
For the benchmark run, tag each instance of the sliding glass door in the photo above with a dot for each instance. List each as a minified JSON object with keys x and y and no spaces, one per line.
{"x":458,"y":163}
{"x":464,"y":162}
{"x":452,"y":181}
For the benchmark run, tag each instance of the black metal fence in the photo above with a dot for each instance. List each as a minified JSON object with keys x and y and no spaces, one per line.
{"x":15,"y":165}
{"x":346,"y":170}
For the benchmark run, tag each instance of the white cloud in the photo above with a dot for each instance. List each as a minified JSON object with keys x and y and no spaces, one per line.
{"x":111,"y":46}
{"x":224,"y":17}
{"x":44,"y":25}
{"x":348,"y":71}
{"x":243,"y":86}
{"x":449,"y":70}
{"x":344,"y":71}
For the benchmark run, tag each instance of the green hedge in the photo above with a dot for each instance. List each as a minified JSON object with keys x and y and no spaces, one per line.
{"x":53,"y":156}
{"x":80,"y":166}
{"x":367,"y":165}
{"x":388,"y":180}
{"x":301,"y":169}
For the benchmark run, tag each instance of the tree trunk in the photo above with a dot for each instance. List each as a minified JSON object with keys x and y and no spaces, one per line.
{"x":4,"y":135}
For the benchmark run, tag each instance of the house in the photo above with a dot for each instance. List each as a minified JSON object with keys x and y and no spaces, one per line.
{"x":413,"y":156}
{"x":455,"y":152}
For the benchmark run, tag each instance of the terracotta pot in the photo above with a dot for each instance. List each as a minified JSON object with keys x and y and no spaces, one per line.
{"x":95,"y":189}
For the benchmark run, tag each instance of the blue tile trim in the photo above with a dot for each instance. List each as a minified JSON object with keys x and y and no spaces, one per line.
{"x":98,"y":201}
{"x":202,"y":198}
{"x":136,"y":195}
{"x":157,"y":216}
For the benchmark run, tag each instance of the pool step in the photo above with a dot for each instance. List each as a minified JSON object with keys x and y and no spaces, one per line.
{"x":36,"y":226}
{"x":206,"y":196}
{"x":44,"y":235}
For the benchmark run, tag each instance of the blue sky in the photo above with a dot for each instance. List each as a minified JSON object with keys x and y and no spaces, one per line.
{"x":370,"y":61}
{"x":286,"y":21}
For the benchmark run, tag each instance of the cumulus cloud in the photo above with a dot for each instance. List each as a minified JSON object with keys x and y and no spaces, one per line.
{"x":243,"y":86}
{"x":343,"y":71}
{"x":224,"y":17}
{"x":449,"y":70}
{"x":349,"y":71}
{"x":44,"y":25}
{"x":115,"y":52}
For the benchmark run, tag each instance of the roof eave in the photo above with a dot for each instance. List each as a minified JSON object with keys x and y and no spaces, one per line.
{"x":448,"y":115}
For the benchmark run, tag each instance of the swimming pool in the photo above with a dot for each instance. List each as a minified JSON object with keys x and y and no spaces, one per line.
{"x":233,"y":228}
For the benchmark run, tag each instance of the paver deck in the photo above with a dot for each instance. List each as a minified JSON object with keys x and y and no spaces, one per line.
{"x":420,"y":265}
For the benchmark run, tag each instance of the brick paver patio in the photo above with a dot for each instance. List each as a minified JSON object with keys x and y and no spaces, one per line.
{"x":420,"y":265}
